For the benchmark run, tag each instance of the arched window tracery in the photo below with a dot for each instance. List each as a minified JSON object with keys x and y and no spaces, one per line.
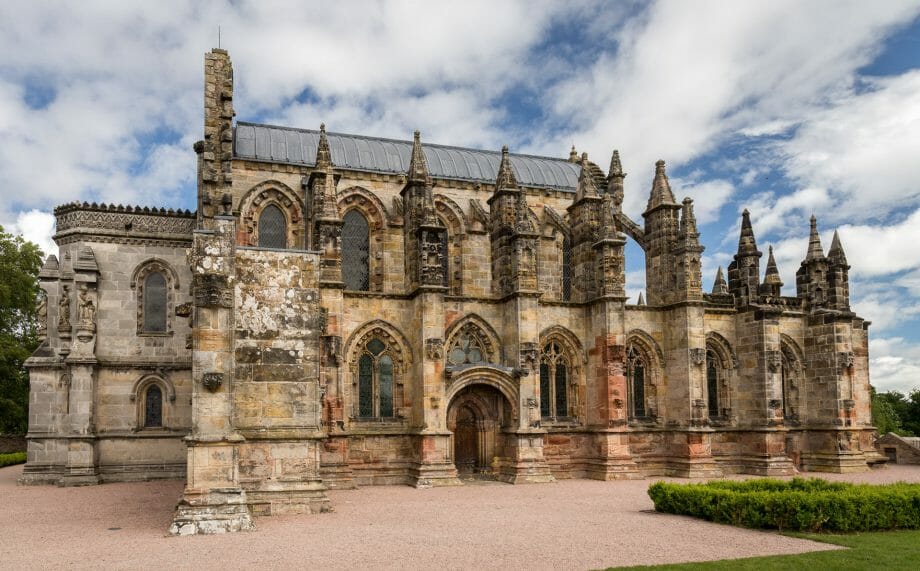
{"x":555,"y":376}
{"x":637,"y":369}
{"x":156,"y":285}
{"x":376,"y":381}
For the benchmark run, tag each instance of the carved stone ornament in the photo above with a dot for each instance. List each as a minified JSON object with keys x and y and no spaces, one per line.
{"x":64,"y":309}
{"x":698,"y":356}
{"x":532,"y":402}
{"x":529,"y":355}
{"x":774,"y":361}
{"x":434,"y":349}
{"x":775,"y":404}
{"x":41,"y":311}
{"x":184,"y":310}
{"x":845,"y":358}
{"x":212,"y":290}
{"x":87,"y":309}
{"x":212,"y":381}
{"x":332,"y":345}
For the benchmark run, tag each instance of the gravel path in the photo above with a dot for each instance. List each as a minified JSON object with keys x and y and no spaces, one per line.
{"x":574,"y":524}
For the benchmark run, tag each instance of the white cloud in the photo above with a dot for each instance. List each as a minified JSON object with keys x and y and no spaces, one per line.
{"x":36,"y":226}
{"x":863,"y":148}
{"x":689,"y":74}
{"x":894,"y":364}
{"x":708,"y":197}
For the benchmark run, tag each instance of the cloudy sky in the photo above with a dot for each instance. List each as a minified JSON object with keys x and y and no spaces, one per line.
{"x":786,"y":108}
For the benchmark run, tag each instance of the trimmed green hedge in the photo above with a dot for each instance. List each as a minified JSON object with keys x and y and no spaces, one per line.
{"x":799,"y":504}
{"x":12,"y":458}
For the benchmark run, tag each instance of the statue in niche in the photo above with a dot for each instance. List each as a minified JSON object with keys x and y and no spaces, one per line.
{"x":41,"y":310}
{"x":87,"y":308}
{"x":64,"y":310}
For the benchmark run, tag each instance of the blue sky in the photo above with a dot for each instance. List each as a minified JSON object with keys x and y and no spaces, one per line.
{"x":786,"y":108}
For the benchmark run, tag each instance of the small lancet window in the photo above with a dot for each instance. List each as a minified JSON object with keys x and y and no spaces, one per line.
{"x":712,"y":384}
{"x":355,"y":251}
{"x":272,"y":228}
{"x":155,"y":303}
{"x":635,"y":376}
{"x":566,"y":268}
{"x":153,"y":407}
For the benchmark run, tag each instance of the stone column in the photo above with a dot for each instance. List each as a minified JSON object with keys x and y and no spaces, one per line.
{"x":213,"y":501}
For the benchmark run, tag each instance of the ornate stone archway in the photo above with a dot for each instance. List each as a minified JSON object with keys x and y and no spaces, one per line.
{"x":475,"y":417}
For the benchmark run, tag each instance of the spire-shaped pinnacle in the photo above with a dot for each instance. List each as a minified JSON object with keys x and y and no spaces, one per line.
{"x":323,"y":154}
{"x":616,"y":169}
{"x":505,"y":179}
{"x":641,"y":299}
{"x":661,"y":189}
{"x":720,"y":286}
{"x":615,"y":179}
{"x":835,"y":255}
{"x":771,"y":277}
{"x":573,"y":155}
{"x":815,"y":252}
{"x":688,"y":219}
{"x":747,"y":244}
{"x":418,"y":165}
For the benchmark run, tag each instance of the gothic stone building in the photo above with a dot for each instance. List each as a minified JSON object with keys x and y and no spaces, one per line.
{"x":343,"y":310}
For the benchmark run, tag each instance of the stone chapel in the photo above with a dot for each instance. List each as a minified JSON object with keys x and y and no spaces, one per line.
{"x":343,"y":310}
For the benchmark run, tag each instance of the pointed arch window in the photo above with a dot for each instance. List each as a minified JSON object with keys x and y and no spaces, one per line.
{"x":712,"y":384}
{"x":636,"y":376}
{"x":355,"y":251}
{"x":153,"y":407}
{"x":155,"y":301}
{"x":555,"y":371}
{"x":272,"y":228}
{"x":566,"y":268}
{"x":375,"y":381}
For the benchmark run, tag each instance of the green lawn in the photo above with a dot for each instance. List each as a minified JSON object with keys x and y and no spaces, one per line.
{"x":878,"y":550}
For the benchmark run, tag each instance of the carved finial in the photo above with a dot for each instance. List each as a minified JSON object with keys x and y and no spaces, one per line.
{"x":418,"y":164}
{"x":747,"y":244}
{"x":573,"y":155}
{"x":505,"y":179}
{"x":661,"y":188}
{"x":323,"y":154}
{"x":815,"y":251}
{"x":586,"y":186}
{"x":688,"y":219}
{"x":720,"y":286}
{"x":616,"y":169}
{"x":772,"y":274}
{"x":836,"y":255}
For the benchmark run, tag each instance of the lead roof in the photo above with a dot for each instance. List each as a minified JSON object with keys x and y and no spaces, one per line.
{"x":275,"y":144}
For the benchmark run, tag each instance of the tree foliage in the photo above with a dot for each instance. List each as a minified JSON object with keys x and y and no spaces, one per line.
{"x":894,"y":412}
{"x":20,"y":262}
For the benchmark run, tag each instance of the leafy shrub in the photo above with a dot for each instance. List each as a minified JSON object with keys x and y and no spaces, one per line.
{"x":799,"y":504}
{"x":12,"y":458}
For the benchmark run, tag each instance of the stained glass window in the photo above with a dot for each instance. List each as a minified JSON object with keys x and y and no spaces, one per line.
{"x":355,"y":251}
{"x":554,"y":373}
{"x":155,"y":303}
{"x":636,"y":379}
{"x":712,"y":384}
{"x":376,"y":383}
{"x":366,"y":386}
{"x":153,"y":407}
{"x":385,"y":369}
{"x":566,"y":268}
{"x":272,"y":228}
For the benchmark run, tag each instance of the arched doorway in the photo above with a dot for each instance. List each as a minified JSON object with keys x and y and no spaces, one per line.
{"x":476,"y":416}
